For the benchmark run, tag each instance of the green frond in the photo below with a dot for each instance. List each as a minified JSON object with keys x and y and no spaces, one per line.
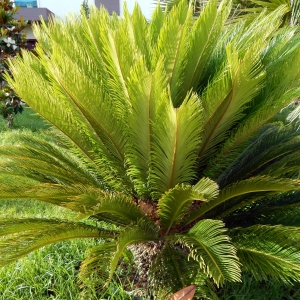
{"x":270,"y":147}
{"x":122,"y":209}
{"x":207,"y":28}
{"x":29,"y":154}
{"x":279,"y":91}
{"x":179,"y":271}
{"x":139,"y":28}
{"x":176,"y":138}
{"x":212,"y":249}
{"x":144,"y":231}
{"x":291,"y":18}
{"x":272,"y":209}
{"x":173,"y":205}
{"x":255,"y":184}
{"x":68,"y":119}
{"x":84,"y":199}
{"x":171,"y":43}
{"x":156,"y":24}
{"x":94,"y":270}
{"x":269,"y":251}
{"x":288,"y":215}
{"x":22,"y":236}
{"x":243,"y":77}
{"x":288,"y":166}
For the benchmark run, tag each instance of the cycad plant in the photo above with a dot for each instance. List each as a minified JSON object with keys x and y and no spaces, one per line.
{"x":166,"y":131}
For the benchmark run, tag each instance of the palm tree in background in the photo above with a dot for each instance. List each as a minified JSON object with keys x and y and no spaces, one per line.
{"x":167,"y":131}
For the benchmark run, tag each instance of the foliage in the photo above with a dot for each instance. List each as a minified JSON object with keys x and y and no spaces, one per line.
{"x":11,"y":41}
{"x":249,"y":10}
{"x":167,"y":134}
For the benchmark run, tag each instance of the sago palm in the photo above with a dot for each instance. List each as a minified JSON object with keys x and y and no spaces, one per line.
{"x":166,"y":131}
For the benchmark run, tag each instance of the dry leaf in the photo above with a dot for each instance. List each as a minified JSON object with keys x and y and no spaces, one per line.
{"x":186,"y":293}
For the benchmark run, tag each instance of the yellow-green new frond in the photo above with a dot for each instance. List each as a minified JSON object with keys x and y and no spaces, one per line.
{"x":155,"y":26}
{"x":203,"y":37}
{"x":35,"y":88}
{"x":176,"y":138}
{"x":102,"y":47}
{"x":145,"y":90}
{"x":139,"y":28}
{"x":90,"y":97}
{"x":209,"y":245}
{"x":171,"y":44}
{"x":22,"y":236}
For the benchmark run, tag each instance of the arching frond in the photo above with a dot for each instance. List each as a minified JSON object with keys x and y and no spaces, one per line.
{"x":173,"y":204}
{"x":279,"y":91}
{"x":180,"y":271}
{"x":86,"y":200}
{"x":94,"y":270}
{"x":68,"y":120}
{"x":144,"y":231}
{"x":22,"y":236}
{"x":29,"y":154}
{"x":212,"y":249}
{"x":245,"y":187}
{"x":269,"y":147}
{"x":269,"y":251}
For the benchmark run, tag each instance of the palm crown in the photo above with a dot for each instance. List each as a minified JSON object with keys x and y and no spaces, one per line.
{"x":167,"y":132}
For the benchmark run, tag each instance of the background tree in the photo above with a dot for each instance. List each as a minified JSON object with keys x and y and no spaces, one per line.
{"x":167,"y":140}
{"x":11,"y":41}
{"x":85,"y":7}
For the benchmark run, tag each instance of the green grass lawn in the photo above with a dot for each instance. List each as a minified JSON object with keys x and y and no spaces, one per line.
{"x":27,"y":119}
{"x":50,"y":272}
